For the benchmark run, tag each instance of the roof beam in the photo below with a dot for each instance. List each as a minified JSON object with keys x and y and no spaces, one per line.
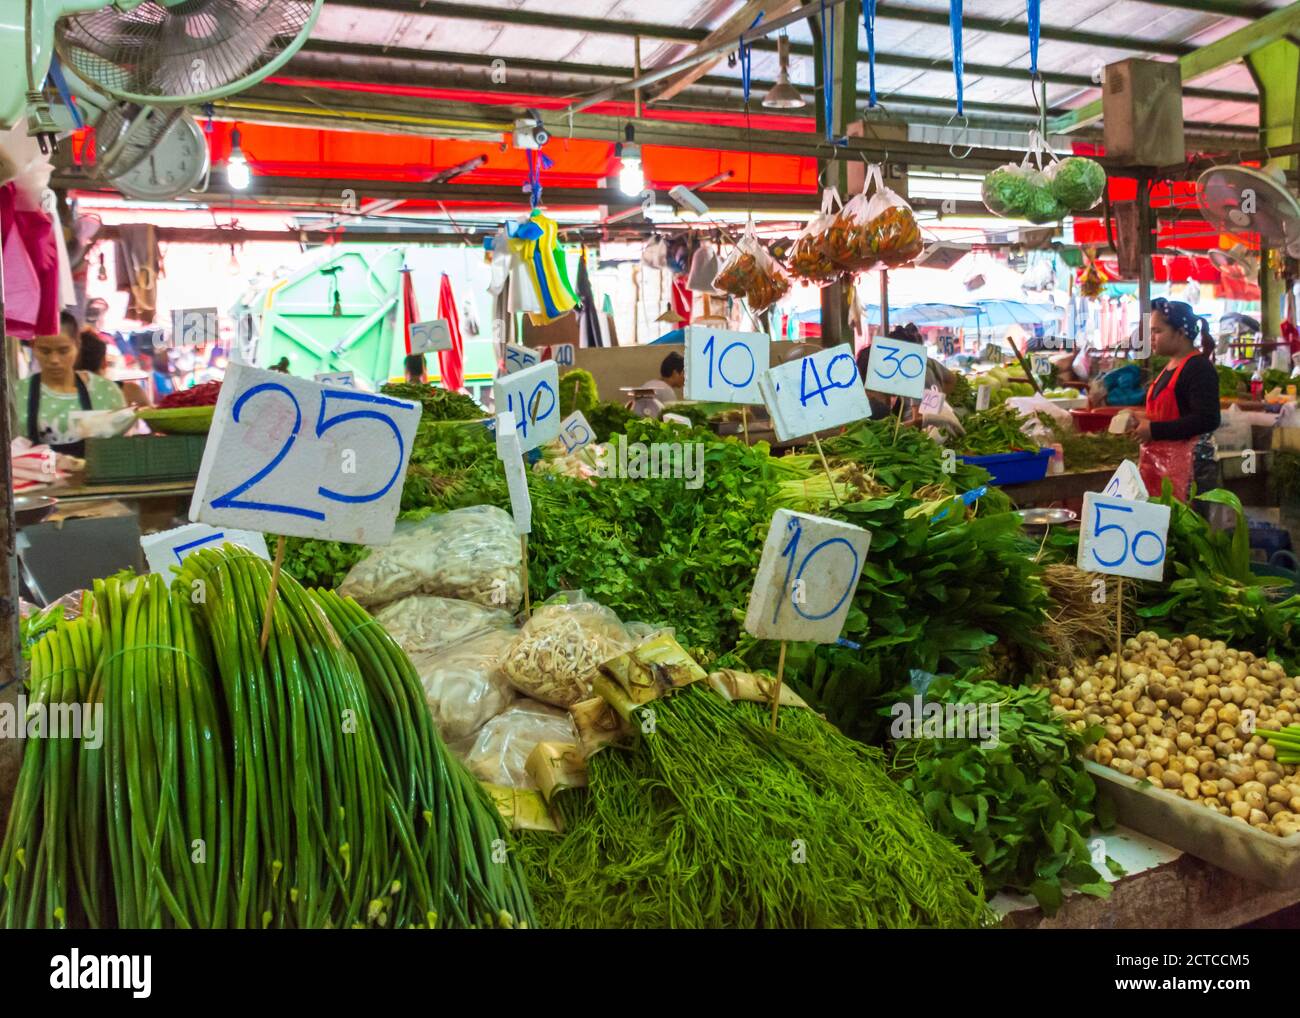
{"x":684,"y":34}
{"x":1274,"y":26}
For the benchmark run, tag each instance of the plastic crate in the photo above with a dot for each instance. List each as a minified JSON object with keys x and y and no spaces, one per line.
{"x":142,"y":458}
{"x":1013,"y":467}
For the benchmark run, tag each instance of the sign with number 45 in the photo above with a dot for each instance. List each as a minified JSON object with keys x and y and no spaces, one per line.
{"x":1122,"y":537}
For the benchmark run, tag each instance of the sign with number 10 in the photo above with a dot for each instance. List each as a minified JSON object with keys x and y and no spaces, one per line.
{"x":898,"y":367}
{"x":725,"y":366}
{"x":288,"y":456}
{"x":806,"y":578}
{"x":814,"y":393}
{"x":1122,"y":537}
{"x":532,"y":397}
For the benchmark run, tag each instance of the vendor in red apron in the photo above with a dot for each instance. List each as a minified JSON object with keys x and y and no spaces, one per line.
{"x":1182,"y":406}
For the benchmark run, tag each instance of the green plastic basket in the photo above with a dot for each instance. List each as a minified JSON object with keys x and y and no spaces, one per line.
{"x":142,"y":458}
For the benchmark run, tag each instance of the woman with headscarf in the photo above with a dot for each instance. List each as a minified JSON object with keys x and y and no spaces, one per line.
{"x":1182,"y":404}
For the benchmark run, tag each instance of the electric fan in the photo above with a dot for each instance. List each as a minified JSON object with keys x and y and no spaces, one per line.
{"x":178,"y":52}
{"x":27,"y":43}
{"x":1241,"y":199}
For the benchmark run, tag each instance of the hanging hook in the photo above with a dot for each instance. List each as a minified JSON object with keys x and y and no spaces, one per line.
{"x":965,"y":126}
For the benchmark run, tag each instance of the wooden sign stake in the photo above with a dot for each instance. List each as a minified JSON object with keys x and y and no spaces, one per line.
{"x":1119,"y":626}
{"x":744,"y":420}
{"x":827,"y":467}
{"x":523,"y":547}
{"x":272,"y":593}
{"x":776,"y":689}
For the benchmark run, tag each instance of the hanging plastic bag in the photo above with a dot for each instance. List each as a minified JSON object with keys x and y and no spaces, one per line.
{"x":1024,"y":191}
{"x":845,"y":239}
{"x":704,"y":269}
{"x":559,"y":648}
{"x":655,"y":253}
{"x":499,"y":752}
{"x":464,"y":685}
{"x":807,"y":258}
{"x":752,"y":273}
{"x":1077,"y":182}
{"x":472,"y":554}
{"x":423,"y":623}
{"x":892,"y":232}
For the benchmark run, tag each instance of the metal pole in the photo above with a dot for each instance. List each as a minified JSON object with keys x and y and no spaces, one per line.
{"x":884,"y":302}
{"x":1146,"y":249}
{"x":759,"y":31}
{"x":636,"y":70}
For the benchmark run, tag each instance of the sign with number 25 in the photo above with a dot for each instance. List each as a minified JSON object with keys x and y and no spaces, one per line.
{"x":1122,"y":537}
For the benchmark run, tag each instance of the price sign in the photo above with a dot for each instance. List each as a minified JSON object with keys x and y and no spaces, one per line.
{"x":510,"y":453}
{"x":813,"y":393}
{"x":897,"y":366}
{"x":1122,"y":537}
{"x":725,"y":366}
{"x":575,"y":432}
{"x":194,"y":327}
{"x":429,"y":336}
{"x":1127,"y":483}
{"x":932,"y":402}
{"x":531,"y":397}
{"x":806,"y":578}
{"x":288,"y":456}
{"x":982,"y":396}
{"x":561,"y":353}
{"x":520,"y":357}
{"x":948,"y":344}
{"x":1040,"y":364}
{"x":337,"y":379}
{"x":163,"y":551}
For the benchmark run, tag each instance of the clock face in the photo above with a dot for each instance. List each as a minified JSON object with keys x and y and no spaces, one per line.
{"x":176,"y":164}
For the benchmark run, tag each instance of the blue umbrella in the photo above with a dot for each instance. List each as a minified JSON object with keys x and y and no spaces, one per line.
{"x":1014,"y":312}
{"x":922,"y":314}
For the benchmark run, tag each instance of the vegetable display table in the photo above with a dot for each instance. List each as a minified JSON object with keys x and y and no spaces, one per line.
{"x":1163,"y":888}
{"x":157,"y":503}
{"x":1055,"y":489}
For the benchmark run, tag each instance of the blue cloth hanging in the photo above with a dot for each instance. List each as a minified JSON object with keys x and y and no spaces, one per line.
{"x":954,"y":22}
{"x":745,"y":53}
{"x":828,"y":70}
{"x":1032,"y":11}
{"x":869,"y":23}
{"x":537,"y":161}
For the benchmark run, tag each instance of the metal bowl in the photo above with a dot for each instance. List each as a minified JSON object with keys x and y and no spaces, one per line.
{"x":29,"y":509}
{"x":1038,"y":517}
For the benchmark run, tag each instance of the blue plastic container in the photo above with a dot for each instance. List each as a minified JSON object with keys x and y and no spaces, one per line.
{"x":1013,"y":467}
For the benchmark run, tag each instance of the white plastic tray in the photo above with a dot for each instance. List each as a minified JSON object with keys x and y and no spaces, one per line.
{"x":1200,"y":831}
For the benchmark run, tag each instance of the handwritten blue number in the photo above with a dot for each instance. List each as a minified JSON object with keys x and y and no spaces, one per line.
{"x":366,"y":399}
{"x":230,"y":499}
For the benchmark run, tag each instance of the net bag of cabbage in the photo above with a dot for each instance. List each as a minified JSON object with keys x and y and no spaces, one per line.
{"x":471,"y":554}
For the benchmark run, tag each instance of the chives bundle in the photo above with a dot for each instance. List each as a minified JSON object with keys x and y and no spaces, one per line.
{"x":1285,"y":740}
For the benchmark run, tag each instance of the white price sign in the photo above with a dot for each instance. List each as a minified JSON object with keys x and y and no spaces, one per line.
{"x":1127,"y":483}
{"x":531,"y":397}
{"x":898,"y":367}
{"x":575,"y":432}
{"x":1122,"y":537}
{"x":932,"y":402}
{"x":982,"y":396}
{"x":338,"y":379}
{"x":806,"y":578}
{"x":561,"y":353}
{"x":1040,"y":364}
{"x":194,"y":327}
{"x":427,"y":337}
{"x":725,"y":366}
{"x":288,"y":456}
{"x":814,"y":393}
{"x":948,"y":344}
{"x":520,"y":357}
{"x":512,"y":456}
{"x":165,"y":550}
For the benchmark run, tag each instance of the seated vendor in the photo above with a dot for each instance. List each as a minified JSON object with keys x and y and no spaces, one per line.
{"x":672,"y":376}
{"x":46,"y":400}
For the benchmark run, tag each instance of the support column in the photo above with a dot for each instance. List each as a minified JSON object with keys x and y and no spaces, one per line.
{"x":1276,"y":70}
{"x":844,"y":94}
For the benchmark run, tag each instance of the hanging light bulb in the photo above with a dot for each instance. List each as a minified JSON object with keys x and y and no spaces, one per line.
{"x":784,"y":96}
{"x":238,"y":173}
{"x":631,"y":178}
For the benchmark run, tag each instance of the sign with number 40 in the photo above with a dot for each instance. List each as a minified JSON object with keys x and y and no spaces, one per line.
{"x":1122,"y":537}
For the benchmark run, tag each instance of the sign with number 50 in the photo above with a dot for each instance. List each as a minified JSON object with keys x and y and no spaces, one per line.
{"x":897,"y":366}
{"x":288,"y":456}
{"x":1123,"y":537}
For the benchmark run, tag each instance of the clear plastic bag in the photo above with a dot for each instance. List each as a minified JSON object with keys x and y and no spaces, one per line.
{"x":559,"y":648}
{"x":471,"y":554}
{"x":423,"y":623}
{"x":752,"y":273}
{"x":893,"y":235}
{"x":1174,"y":460}
{"x":704,"y":269}
{"x":465,"y":687}
{"x":499,"y":752}
{"x":807,"y":257}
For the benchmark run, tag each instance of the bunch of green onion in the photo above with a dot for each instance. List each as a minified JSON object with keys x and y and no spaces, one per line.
{"x":1285,"y":740}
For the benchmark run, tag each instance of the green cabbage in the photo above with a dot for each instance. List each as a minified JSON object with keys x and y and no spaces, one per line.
{"x":1078,"y":183}
{"x":1006,"y":191}
{"x":1043,"y":207}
